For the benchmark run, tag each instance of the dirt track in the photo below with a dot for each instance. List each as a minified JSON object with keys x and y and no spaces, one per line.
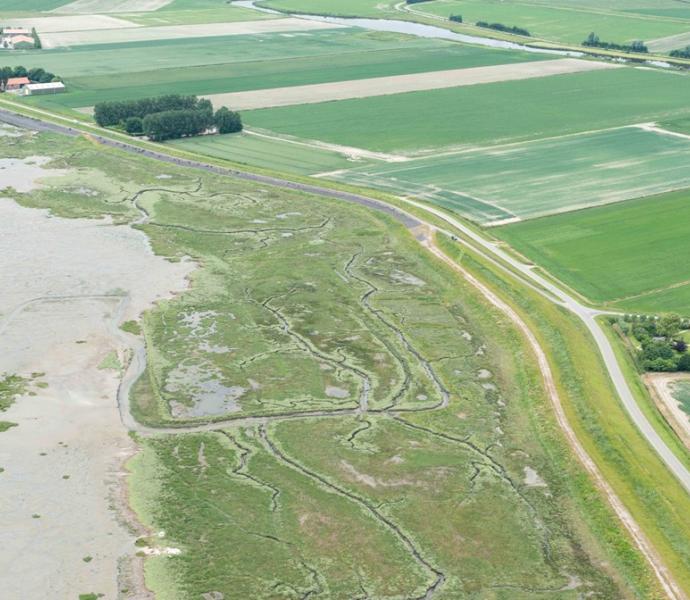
{"x":398,"y":84}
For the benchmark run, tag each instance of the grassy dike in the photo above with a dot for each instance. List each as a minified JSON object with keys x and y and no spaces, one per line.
{"x":651,"y":494}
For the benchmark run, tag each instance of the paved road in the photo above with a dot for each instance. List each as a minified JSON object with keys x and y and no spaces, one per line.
{"x":490,"y":249}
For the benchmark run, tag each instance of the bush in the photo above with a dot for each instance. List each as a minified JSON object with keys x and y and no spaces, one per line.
{"x":227,"y":121}
{"x":455,"y":18}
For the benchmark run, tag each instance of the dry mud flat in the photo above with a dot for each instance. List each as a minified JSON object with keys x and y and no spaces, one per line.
{"x":69,"y":282}
{"x":142,"y":34}
{"x":399,"y":84}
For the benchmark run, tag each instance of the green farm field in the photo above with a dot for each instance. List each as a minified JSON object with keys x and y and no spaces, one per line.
{"x":630,"y":255}
{"x":485,"y":114}
{"x":541,"y":177}
{"x":15,"y":7}
{"x":568,"y":24}
{"x":238,"y":63}
{"x":272,"y":153}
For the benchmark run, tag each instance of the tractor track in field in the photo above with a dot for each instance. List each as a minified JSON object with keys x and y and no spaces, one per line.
{"x":489,"y":250}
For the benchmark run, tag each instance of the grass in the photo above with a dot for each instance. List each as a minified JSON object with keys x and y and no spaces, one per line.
{"x":111,"y":361}
{"x":485,"y":114}
{"x":132,"y":327}
{"x":299,"y":294}
{"x":568,"y":24}
{"x":640,"y":242}
{"x":540,"y":177}
{"x":11,"y":387}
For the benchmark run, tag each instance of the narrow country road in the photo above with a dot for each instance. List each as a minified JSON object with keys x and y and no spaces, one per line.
{"x":423,"y":230}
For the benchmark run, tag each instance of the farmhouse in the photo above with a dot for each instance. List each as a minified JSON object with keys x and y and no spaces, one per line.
{"x":22,"y":42}
{"x":17,"y":38}
{"x":37,"y":89}
{"x":16,"y":83}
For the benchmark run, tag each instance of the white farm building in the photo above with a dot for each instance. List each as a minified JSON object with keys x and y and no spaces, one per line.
{"x":37,"y":89}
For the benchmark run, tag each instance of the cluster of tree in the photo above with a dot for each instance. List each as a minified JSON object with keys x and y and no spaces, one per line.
{"x":38,"y":75}
{"x":167,"y":117}
{"x":501,"y":27}
{"x":661,"y":347}
{"x":415,"y":1}
{"x":173,"y":124}
{"x":593,"y":41}
{"x":684,"y":53}
{"x":108,"y":114}
{"x":455,"y":18}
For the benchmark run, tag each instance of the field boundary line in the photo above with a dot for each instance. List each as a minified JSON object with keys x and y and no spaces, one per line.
{"x":673,"y":286}
{"x":654,"y":128}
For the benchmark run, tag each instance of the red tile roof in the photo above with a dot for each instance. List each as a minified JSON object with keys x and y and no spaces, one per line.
{"x":18,"y":81}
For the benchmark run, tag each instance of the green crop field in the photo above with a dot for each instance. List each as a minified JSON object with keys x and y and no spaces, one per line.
{"x":245,"y":62}
{"x":268,"y":153}
{"x":485,"y":114}
{"x":541,"y":177}
{"x":630,"y":254}
{"x":569,"y":24}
